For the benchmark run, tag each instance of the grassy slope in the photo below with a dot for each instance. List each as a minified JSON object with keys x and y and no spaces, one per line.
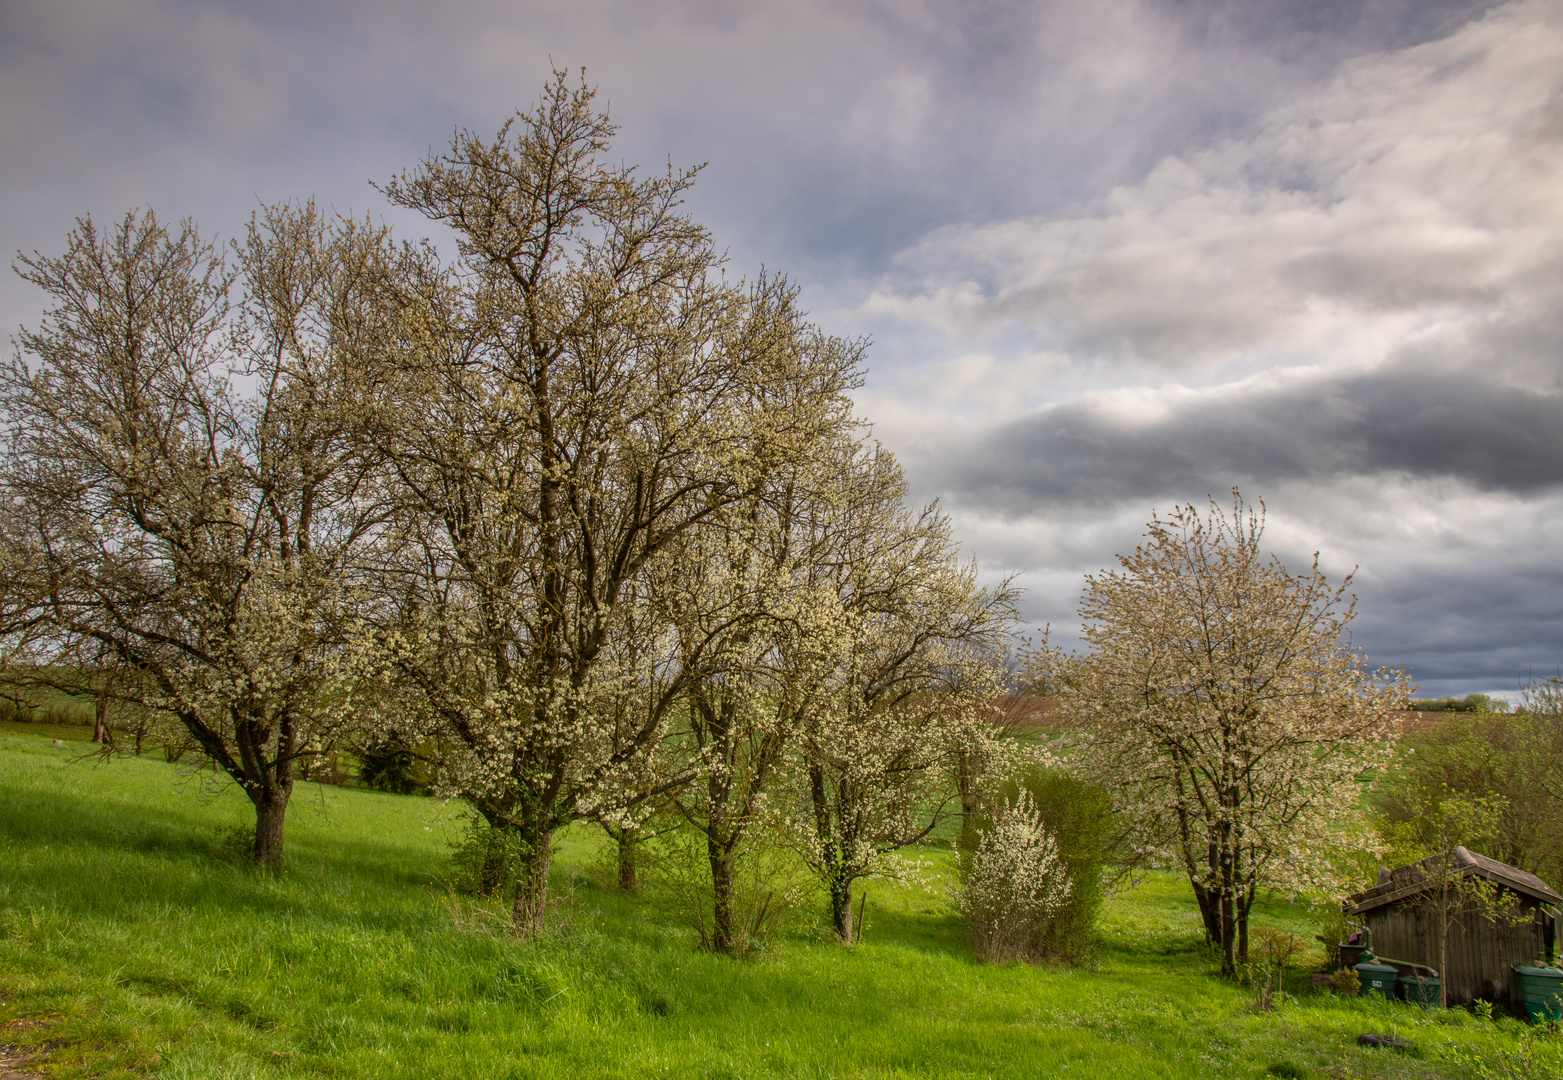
{"x":136,"y":944}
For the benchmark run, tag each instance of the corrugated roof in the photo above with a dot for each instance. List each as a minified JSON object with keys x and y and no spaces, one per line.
{"x":1409,"y":880}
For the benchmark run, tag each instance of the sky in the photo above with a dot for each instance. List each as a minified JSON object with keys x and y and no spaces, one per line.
{"x":1113,"y":255}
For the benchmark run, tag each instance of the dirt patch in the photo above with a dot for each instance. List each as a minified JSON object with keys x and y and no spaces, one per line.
{"x":11,"y":1067}
{"x":14,"y":1059}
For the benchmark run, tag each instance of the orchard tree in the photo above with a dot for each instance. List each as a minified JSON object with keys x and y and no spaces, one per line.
{"x":579,"y":391}
{"x":896,"y":694}
{"x":185,"y":476}
{"x":1222,"y":702}
{"x":737,"y":593}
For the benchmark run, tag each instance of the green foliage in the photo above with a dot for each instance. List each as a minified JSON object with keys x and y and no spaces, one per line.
{"x":1270,"y":953}
{"x":1488,"y":781}
{"x":1334,"y":928}
{"x":485,"y":861}
{"x":1079,"y":816}
{"x":392,"y":763}
{"x":770,"y":885}
{"x":1346,"y":982}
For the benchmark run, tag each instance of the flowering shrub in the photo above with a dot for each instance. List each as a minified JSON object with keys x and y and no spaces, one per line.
{"x":1016,"y":884}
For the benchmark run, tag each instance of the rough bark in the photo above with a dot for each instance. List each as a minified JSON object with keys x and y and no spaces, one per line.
{"x":271,"y":808}
{"x":628,"y":852}
{"x":841,"y":910}
{"x":725,"y":934}
{"x":101,"y":732}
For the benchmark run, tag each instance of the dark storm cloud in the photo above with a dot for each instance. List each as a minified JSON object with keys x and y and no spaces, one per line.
{"x":1402,"y":421}
{"x":1474,"y":624}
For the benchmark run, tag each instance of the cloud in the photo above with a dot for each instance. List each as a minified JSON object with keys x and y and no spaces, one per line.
{"x":1111,"y":254}
{"x":1134,"y":445}
{"x":1415,"y":189}
{"x":1350,"y":306}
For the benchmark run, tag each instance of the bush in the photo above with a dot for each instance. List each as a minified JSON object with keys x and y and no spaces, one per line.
{"x":1270,"y":953}
{"x":1080,"y":820}
{"x":392,"y":763}
{"x":1346,"y":983}
{"x":1333,"y":929}
{"x":486,"y":860}
{"x":1017,"y":883}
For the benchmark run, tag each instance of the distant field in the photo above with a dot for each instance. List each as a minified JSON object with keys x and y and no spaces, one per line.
{"x":134,"y":942}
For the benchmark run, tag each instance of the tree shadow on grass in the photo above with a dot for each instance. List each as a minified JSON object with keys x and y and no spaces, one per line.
{"x":109,"y":853}
{"x":929,"y":931}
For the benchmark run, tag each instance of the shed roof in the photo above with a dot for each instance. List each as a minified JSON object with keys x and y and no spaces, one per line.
{"x":1408,"y":880}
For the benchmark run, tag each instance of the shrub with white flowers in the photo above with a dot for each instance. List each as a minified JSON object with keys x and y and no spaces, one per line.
{"x":1017,"y":882}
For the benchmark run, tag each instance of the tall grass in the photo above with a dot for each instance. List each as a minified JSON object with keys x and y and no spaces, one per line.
{"x":139,"y":942}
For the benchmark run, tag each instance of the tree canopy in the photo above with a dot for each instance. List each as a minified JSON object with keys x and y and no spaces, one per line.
{"x":1223,"y":703}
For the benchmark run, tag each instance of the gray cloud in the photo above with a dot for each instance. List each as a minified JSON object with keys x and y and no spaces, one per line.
{"x":1426,"y":424}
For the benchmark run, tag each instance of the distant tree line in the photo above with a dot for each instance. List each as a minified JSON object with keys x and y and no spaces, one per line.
{"x":1470,"y":703}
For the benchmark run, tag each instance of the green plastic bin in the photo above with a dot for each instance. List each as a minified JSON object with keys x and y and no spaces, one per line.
{"x":1377,"y":979}
{"x":1421,"y":990}
{"x":1542,"y":988}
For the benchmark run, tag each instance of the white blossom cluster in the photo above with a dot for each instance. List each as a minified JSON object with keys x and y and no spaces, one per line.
{"x":1016,"y":883}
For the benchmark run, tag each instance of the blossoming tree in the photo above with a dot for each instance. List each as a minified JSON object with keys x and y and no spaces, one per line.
{"x":1223,"y":703}
{"x":580,"y":391}
{"x":186,"y":477}
{"x":897,"y":685}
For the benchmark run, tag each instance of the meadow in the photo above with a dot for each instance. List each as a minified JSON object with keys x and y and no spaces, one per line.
{"x":135,"y":940}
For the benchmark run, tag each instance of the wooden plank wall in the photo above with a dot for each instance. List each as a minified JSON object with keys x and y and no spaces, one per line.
{"x":1481,"y":953}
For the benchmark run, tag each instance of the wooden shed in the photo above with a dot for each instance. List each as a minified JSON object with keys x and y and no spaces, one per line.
{"x":1481,"y":952}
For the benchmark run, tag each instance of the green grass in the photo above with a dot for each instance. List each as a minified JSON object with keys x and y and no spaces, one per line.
{"x":134,"y":941}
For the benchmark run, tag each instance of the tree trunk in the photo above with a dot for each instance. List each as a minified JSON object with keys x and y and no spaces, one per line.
{"x":529,"y":915}
{"x":837,"y":882}
{"x":629,"y":843}
{"x":841,"y":910}
{"x":101,"y":732}
{"x":1443,"y":942}
{"x":271,"y":808}
{"x":269,"y":784}
{"x":725,"y":936}
{"x":1242,"y":931}
{"x":1209,"y":911}
{"x":966,"y":785}
{"x":1228,"y":936}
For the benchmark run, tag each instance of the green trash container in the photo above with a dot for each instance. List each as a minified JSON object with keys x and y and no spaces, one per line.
{"x":1421,"y":990}
{"x":1377,"y":979}
{"x":1542,"y":989}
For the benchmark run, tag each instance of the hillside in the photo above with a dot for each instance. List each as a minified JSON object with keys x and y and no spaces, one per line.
{"x":134,"y":942}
